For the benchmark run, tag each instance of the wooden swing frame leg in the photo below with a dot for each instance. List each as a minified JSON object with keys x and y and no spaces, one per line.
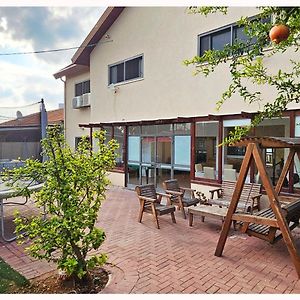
{"x":253,"y":152}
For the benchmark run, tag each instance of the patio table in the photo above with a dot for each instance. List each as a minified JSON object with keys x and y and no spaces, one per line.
{"x":207,"y":211}
{"x":7,"y":192}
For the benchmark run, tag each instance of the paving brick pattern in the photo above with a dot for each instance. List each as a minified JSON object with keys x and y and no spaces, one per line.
{"x":177,"y":258}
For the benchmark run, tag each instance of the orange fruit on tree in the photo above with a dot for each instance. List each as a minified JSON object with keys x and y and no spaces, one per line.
{"x":279,"y":33}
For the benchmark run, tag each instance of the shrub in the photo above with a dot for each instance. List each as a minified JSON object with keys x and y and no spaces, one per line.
{"x":75,"y":183}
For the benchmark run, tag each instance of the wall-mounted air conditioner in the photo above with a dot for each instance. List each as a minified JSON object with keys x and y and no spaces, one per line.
{"x":77,"y":102}
{"x":86,"y":99}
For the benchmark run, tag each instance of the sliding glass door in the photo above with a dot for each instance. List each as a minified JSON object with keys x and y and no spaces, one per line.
{"x":157,"y":153}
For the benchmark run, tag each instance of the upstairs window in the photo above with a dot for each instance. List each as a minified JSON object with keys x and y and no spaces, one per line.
{"x":82,"y":88}
{"x":126,"y":70}
{"x":219,"y":38}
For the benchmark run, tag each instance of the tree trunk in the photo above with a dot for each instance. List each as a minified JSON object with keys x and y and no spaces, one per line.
{"x":87,"y":279}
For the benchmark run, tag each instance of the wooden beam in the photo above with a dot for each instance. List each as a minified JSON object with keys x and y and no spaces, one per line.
{"x":275,"y":205}
{"x":255,"y":219}
{"x":284,"y":171}
{"x":125,"y":154}
{"x":292,"y":118}
{"x":220,"y":151}
{"x":213,"y":117}
{"x":235,"y":198}
{"x":193,"y":142}
{"x":247,"y":115}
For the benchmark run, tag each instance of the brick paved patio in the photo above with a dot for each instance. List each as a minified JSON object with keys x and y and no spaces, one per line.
{"x":177,"y":258}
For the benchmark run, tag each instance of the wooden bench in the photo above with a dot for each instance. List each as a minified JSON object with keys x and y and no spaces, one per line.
{"x":263,"y":224}
{"x":249,"y":200}
{"x":207,"y":211}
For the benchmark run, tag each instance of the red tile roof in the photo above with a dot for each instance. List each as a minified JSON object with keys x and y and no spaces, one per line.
{"x":54,"y":117}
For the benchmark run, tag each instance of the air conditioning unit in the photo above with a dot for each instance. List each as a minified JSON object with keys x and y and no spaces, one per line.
{"x":86,"y":99}
{"x":77,"y":102}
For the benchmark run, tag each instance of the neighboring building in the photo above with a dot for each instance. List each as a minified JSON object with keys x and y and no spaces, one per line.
{"x":134,"y":85}
{"x":21,"y":137}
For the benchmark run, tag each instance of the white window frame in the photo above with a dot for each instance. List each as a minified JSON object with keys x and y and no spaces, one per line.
{"x":124,"y":61}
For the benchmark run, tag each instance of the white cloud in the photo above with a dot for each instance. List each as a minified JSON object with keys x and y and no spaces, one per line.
{"x":3,"y":23}
{"x":22,"y":85}
{"x":61,"y":12}
{"x":28,"y":78}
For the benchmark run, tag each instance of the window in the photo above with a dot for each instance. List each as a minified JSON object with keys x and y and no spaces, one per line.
{"x":220,"y":39}
{"x":119,"y":137}
{"x":126,"y":70}
{"x":233,"y":156}
{"x":78,"y":139}
{"x":217,"y":39}
{"x":108,"y":133}
{"x":116,"y":73}
{"x":82,"y":88}
{"x":116,"y":133}
{"x":206,"y":141}
{"x":274,"y":157}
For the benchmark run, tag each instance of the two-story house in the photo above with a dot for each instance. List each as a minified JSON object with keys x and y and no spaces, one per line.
{"x":128,"y":78}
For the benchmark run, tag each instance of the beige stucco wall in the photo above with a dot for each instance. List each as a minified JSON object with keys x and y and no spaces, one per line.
{"x":73,"y":117}
{"x":117,"y":179}
{"x":165,"y":36}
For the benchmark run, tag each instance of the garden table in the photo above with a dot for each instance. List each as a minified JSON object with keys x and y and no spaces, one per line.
{"x":7,"y":192}
{"x":207,"y":211}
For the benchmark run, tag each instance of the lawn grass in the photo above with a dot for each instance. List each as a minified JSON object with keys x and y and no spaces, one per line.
{"x":9,"y":278}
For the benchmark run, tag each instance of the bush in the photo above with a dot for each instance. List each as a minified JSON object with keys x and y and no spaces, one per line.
{"x":74,"y":188}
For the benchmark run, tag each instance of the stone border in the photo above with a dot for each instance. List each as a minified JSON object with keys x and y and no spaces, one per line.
{"x":115,"y":276}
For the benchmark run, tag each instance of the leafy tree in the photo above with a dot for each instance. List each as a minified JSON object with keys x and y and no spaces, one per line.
{"x":247,"y":66}
{"x":74,"y":187}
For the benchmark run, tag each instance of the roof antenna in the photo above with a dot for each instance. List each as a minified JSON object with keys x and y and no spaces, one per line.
{"x":19,"y":115}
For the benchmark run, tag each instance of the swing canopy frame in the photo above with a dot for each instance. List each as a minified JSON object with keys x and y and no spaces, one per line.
{"x":279,"y":216}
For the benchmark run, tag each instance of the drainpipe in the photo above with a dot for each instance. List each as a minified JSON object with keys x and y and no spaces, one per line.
{"x":65,"y":106}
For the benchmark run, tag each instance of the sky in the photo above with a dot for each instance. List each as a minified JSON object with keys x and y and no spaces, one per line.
{"x":25,"y":79}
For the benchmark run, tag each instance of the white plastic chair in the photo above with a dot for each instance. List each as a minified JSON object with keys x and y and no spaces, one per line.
{"x":198,"y":168}
{"x":209,"y":173}
{"x":228,"y":166}
{"x":230,"y":175}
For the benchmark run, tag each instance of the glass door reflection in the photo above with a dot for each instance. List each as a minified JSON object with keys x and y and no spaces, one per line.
{"x":163,"y":164}
{"x":148,"y":160}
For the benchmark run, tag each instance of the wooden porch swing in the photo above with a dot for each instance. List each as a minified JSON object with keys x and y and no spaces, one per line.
{"x":283,"y":216}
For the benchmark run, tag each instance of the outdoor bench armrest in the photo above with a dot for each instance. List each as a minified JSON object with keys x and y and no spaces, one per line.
{"x":187,"y":189}
{"x":174,"y":192}
{"x":147,"y":199}
{"x":163,"y":195}
{"x":218,"y":191}
{"x":168,"y":196}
